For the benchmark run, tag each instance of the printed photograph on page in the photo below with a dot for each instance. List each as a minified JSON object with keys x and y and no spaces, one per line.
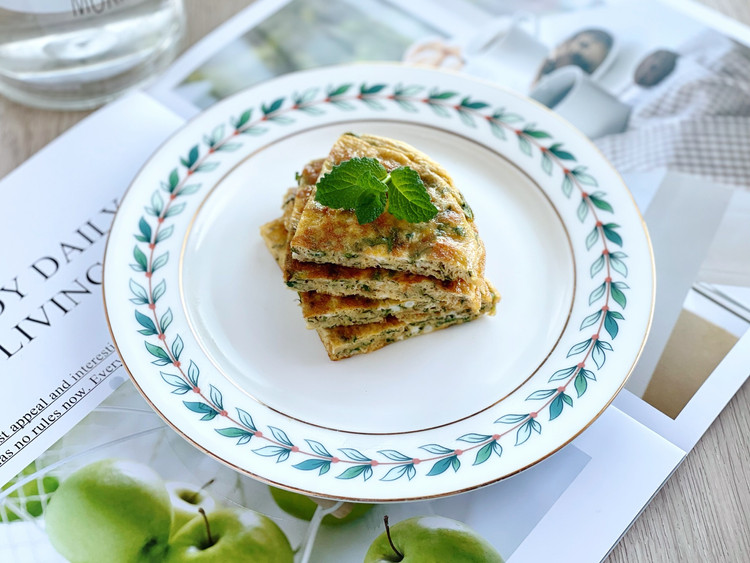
{"x":124,"y":473}
{"x":303,"y":35}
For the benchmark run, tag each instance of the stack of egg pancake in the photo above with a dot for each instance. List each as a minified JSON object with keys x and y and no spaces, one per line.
{"x":365,"y":286}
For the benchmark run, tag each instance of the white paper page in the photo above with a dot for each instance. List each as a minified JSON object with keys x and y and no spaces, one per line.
{"x":682,"y":218}
{"x":56,"y":358}
{"x":703,"y":408}
{"x":674,"y":293}
{"x":629,"y":463}
{"x":728,"y":261}
{"x":644,"y":185}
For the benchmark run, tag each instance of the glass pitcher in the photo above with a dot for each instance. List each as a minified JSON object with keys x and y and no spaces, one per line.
{"x":77,"y":54}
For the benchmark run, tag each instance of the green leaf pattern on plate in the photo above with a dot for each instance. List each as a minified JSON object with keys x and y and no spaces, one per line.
{"x":392,"y":465}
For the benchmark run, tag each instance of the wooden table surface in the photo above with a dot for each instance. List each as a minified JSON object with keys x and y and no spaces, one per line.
{"x":701,"y":514}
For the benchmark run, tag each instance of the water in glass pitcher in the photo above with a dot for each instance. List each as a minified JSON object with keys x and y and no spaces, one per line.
{"x":81,"y":53}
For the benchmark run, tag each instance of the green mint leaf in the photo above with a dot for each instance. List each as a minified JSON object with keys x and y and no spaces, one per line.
{"x":408,"y":198}
{"x":370,"y":205}
{"x":364,"y":185}
{"x":345,"y":183}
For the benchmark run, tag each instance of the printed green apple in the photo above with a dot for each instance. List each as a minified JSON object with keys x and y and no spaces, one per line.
{"x":111,"y":510}
{"x":230,"y":535}
{"x":29,"y":497}
{"x":303,"y":507}
{"x":186,"y":499}
{"x":426,"y":539}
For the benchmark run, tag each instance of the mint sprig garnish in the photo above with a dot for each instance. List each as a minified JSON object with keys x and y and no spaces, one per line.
{"x":364,"y":185}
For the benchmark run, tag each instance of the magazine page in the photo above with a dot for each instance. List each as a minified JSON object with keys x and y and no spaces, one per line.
{"x":56,"y":356}
{"x":51,"y":507}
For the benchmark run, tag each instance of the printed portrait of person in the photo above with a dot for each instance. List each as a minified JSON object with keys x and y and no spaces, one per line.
{"x":587,"y":49}
{"x":655,"y":67}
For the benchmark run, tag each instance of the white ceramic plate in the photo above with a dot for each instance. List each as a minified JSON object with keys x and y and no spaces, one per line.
{"x":217,"y":344}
